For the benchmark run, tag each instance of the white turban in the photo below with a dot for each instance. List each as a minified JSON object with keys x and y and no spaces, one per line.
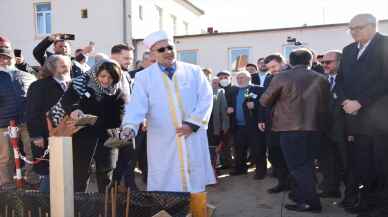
{"x":155,"y":37}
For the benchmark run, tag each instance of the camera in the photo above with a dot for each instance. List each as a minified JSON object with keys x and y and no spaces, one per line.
{"x":67,"y":37}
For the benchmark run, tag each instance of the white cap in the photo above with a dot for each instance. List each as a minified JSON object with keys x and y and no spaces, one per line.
{"x":155,"y":37}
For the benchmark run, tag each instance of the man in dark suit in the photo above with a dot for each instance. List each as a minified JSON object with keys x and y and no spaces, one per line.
{"x":252,"y":69}
{"x":299,"y":98}
{"x":333,"y":153}
{"x":362,"y":88}
{"x":264,"y":73}
{"x":56,"y":77}
{"x":244,"y":123}
{"x":275,"y":64}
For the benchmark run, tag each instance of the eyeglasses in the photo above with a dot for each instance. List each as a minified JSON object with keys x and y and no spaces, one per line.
{"x":163,"y":49}
{"x":327,"y":62}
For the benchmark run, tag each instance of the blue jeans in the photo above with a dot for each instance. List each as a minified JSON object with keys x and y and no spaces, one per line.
{"x":44,"y":185}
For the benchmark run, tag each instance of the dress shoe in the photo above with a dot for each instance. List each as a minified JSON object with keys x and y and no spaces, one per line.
{"x":238,"y":173}
{"x":303,"y":208}
{"x":334,"y":194}
{"x":278,"y":189}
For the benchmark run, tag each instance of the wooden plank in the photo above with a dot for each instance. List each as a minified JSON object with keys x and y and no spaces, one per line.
{"x":61,"y":177}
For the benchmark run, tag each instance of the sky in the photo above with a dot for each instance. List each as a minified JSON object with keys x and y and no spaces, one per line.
{"x":240,"y":15}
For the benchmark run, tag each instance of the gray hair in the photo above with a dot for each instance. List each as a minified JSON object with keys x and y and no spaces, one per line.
{"x":51,"y":64}
{"x":369,"y":18}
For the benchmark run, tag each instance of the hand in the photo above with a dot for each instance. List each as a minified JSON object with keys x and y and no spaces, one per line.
{"x":76,"y":114}
{"x":261,"y":127}
{"x":19,"y":60}
{"x":230,"y":110}
{"x":39,"y":142}
{"x":126,"y":134}
{"x":66,"y":128}
{"x":351,"y":106}
{"x":55,"y":36}
{"x":185,"y":131}
{"x":350,"y":138}
{"x":250,"y":105}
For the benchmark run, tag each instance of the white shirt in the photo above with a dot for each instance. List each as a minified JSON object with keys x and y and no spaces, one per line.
{"x":363,"y":48}
{"x":262,"y":78}
{"x":332,"y":76}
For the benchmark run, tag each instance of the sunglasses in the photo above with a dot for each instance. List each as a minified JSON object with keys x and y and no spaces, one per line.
{"x":163,"y":49}
{"x":327,"y":62}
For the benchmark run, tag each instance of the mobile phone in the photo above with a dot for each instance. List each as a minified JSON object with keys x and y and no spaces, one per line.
{"x":67,"y":37}
{"x":17,"y":52}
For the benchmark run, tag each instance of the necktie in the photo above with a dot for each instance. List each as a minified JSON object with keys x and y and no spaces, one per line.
{"x":331,"y":81}
{"x":64,"y":86}
{"x":360,"y":51}
{"x":170,"y":72}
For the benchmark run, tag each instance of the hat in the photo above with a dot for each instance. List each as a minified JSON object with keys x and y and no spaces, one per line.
{"x":155,"y":37}
{"x":6,"y":51}
{"x":223,"y":72}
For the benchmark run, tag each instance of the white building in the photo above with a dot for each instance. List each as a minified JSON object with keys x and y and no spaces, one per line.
{"x":220,"y":50}
{"x":105,"y":22}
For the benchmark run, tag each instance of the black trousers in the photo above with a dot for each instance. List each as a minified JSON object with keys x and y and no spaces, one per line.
{"x":299,"y":149}
{"x":248,"y":138}
{"x":276,"y":158}
{"x":214,"y":141}
{"x":87,"y":142}
{"x":331,"y":164}
{"x":370,"y":161}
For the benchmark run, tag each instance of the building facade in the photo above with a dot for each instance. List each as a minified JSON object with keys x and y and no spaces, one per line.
{"x":222,"y":50}
{"x":105,"y":22}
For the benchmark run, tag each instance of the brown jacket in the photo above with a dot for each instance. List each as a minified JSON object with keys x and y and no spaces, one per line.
{"x":299,"y":98}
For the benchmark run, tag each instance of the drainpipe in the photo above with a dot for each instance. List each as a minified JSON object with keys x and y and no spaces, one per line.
{"x":126,"y":20}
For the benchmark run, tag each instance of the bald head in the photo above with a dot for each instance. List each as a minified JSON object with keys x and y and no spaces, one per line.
{"x":363,"y":27}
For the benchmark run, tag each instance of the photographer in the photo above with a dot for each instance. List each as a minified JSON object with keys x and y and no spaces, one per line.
{"x":60,"y":46}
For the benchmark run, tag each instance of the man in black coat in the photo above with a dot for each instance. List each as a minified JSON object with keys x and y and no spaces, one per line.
{"x":244,"y":124}
{"x":363,"y":90}
{"x":275,"y":64}
{"x":52,"y":87}
{"x":333,"y":150}
{"x":60,"y":47}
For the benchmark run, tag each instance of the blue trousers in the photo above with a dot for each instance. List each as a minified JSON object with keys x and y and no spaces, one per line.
{"x":299,"y":149}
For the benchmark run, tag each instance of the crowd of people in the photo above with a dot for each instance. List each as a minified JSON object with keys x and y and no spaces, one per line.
{"x":182,"y":125}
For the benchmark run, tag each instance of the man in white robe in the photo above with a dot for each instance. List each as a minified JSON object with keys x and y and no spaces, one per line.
{"x":176,"y":99}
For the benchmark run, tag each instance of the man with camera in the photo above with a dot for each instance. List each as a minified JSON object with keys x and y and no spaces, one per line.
{"x":60,"y":44}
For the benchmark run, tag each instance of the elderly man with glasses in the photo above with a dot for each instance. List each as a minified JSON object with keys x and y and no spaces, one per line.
{"x":363,"y":92}
{"x":176,"y":99}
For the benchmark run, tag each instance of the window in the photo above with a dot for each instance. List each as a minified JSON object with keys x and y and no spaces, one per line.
{"x":84,"y":13}
{"x":140,"y":12}
{"x":43,"y":18}
{"x":186,"y":24}
{"x":238,"y":58}
{"x":188,"y":56}
{"x":173,"y":20}
{"x":160,"y":17}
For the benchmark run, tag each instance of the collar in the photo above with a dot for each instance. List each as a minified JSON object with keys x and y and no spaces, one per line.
{"x":59,"y":81}
{"x":333,"y":75}
{"x":164,"y":68}
{"x":366,"y":45}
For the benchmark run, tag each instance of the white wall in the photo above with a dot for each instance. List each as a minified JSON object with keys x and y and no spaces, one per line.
{"x":150,"y":23}
{"x":213,"y":49}
{"x":104,"y":24}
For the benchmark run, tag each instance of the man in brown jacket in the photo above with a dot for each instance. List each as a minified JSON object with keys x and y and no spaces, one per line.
{"x":299,"y":97}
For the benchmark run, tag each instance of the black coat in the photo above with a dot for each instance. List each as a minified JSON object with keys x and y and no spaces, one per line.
{"x":251,"y":116}
{"x":255,"y":79}
{"x":108,"y":109}
{"x":41,"y":96}
{"x":365,"y":80}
